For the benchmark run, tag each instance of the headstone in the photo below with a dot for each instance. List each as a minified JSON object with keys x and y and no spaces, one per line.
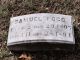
{"x":40,"y":28}
{"x":41,"y":32}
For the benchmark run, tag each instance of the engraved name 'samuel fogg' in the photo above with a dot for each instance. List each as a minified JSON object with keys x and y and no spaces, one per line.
{"x":41,"y":27}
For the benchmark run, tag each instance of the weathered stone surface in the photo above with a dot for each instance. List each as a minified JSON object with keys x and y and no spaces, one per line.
{"x":41,"y":27}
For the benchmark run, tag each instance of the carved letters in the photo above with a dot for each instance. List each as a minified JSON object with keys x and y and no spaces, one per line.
{"x":41,"y":26}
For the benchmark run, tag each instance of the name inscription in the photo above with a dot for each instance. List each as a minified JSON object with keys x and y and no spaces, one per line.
{"x":42,"y":27}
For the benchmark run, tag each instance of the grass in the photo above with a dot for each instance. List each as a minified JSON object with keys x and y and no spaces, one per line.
{"x":9,"y":8}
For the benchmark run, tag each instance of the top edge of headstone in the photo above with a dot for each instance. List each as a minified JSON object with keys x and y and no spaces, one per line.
{"x":41,"y":13}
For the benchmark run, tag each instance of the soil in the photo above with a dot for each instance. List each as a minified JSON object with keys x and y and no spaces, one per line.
{"x":11,"y":8}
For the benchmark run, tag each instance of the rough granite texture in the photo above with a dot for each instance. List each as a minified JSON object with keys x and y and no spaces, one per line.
{"x":10,"y":8}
